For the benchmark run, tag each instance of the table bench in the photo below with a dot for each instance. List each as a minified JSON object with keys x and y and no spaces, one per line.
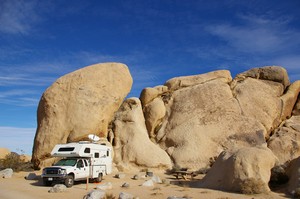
{"x":184,"y":174}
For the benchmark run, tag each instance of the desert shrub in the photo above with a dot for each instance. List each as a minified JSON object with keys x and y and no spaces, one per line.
{"x":252,"y":186}
{"x":14,"y":162}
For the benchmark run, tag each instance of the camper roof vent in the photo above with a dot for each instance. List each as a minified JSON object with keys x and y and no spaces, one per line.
{"x":93,"y":137}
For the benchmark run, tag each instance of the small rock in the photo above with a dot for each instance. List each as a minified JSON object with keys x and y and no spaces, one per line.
{"x":139,"y":176}
{"x":105,"y":186}
{"x":124,"y":195}
{"x":136,"y":177}
{"x":166,"y":181}
{"x":148,"y":183}
{"x":175,"y":197}
{"x":31,"y":176}
{"x":96,"y":194}
{"x":58,"y":188}
{"x":125,"y":185}
{"x":149,"y":173}
{"x":6,"y":173}
{"x":156,"y":179}
{"x":120,"y":175}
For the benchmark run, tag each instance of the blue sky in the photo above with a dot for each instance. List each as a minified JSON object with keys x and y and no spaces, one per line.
{"x":158,"y":39}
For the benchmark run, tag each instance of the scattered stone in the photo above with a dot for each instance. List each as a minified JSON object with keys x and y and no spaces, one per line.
{"x":31,"y":176}
{"x":58,"y":188}
{"x":6,"y":173}
{"x":156,"y":179}
{"x":139,"y":176}
{"x":125,"y":185}
{"x":124,"y":195}
{"x":120,"y":175}
{"x":96,"y":194}
{"x":148,"y":183}
{"x":105,"y":186}
{"x":136,"y":177}
{"x":166,"y":181}
{"x":149,"y":174}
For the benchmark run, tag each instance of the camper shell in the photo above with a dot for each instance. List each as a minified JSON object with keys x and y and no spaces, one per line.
{"x":79,"y":161}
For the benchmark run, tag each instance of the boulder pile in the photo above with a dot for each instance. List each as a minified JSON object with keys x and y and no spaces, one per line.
{"x":249,"y":123}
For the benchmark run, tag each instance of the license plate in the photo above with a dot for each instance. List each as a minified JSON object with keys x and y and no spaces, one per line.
{"x":50,"y":179}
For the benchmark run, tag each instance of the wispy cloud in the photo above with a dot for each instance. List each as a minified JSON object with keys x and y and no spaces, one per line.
{"x":20,"y":97}
{"x":17,"y":139}
{"x":257,"y":34}
{"x":17,"y":16}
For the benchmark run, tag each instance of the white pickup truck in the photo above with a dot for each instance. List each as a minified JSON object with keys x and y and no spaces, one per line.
{"x":80,"y":161}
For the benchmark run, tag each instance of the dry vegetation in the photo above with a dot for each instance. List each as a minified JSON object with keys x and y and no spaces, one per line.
{"x":14,"y":162}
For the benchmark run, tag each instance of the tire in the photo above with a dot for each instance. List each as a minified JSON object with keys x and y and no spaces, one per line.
{"x":69,"y":181}
{"x":99,"y":179}
{"x":46,"y":182}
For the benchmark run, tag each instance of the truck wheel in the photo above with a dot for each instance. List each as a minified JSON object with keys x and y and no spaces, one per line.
{"x":99,"y":179}
{"x":69,"y":181}
{"x":46,"y":182}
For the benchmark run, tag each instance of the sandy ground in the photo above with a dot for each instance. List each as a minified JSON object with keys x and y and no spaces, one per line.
{"x":19,"y":187}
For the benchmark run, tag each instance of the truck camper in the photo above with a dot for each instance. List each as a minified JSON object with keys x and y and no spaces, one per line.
{"x":80,"y":161}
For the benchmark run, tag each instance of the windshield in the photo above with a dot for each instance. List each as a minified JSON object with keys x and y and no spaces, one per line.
{"x":66,"y":162}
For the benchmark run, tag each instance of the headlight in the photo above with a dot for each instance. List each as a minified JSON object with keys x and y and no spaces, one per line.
{"x":62,"y":171}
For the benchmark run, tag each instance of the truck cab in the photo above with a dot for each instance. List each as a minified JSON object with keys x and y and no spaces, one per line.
{"x":79,"y":162}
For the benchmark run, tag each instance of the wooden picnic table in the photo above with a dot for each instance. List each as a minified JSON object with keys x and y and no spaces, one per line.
{"x":184,"y":174}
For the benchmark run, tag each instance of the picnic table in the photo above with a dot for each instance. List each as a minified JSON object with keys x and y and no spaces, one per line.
{"x":184,"y":174}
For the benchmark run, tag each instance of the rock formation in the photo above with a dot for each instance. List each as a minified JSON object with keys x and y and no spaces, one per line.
{"x":132,"y":145}
{"x":212,"y":112}
{"x":293,"y":173}
{"x":78,"y":104}
{"x":285,"y":142}
{"x":245,"y":170}
{"x":187,"y":122}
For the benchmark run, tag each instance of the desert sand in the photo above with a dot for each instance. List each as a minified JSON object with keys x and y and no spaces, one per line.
{"x":19,"y":187}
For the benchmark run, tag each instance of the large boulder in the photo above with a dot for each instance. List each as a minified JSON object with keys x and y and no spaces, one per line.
{"x":211,"y":112}
{"x":133,"y":148}
{"x":293,"y":172}
{"x":289,"y":100}
{"x":285,"y":142}
{"x":78,"y":104}
{"x":245,"y":170}
{"x":154,"y":113}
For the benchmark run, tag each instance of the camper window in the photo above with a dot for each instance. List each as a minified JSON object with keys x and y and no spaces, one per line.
{"x":107,"y":153}
{"x":66,"y":149}
{"x":87,"y":150}
{"x":80,"y":164}
{"x":66,"y":162}
{"x":85,"y":163}
{"x":96,"y":155}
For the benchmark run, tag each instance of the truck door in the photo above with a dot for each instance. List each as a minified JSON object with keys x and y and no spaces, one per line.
{"x":82,"y":169}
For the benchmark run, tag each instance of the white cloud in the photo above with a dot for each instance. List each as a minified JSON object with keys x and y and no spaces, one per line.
{"x":257,"y":34}
{"x":17,"y":139}
{"x":17,"y":16}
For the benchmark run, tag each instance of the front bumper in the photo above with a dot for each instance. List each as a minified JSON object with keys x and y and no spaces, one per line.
{"x":54,"y":178}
